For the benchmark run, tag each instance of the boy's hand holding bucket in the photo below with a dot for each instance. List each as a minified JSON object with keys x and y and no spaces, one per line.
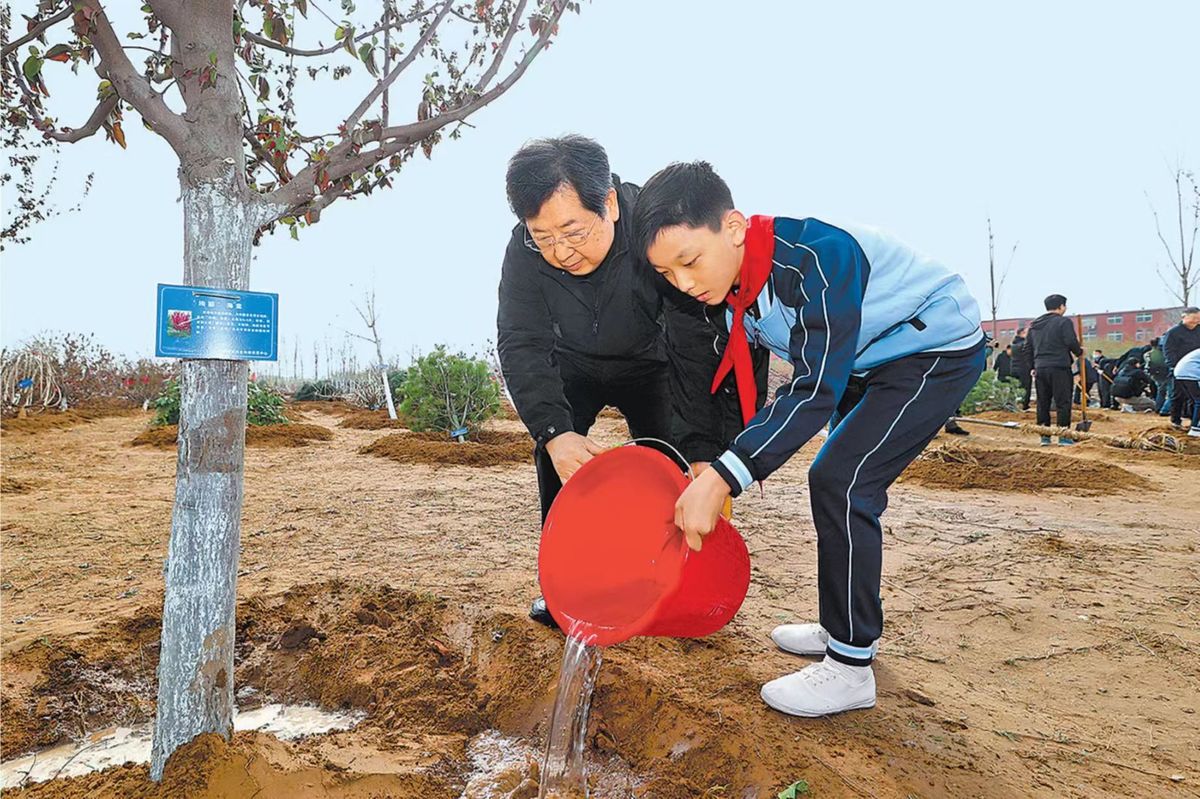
{"x":727,"y":508}
{"x":699,"y":506}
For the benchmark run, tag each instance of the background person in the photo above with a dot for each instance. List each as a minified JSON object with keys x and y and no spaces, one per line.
{"x":1053,"y":342}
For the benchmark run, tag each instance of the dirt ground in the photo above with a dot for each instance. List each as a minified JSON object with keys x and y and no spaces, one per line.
{"x":1038,"y":643}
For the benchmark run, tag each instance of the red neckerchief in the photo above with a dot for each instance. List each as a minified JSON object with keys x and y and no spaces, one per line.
{"x":756,"y":269}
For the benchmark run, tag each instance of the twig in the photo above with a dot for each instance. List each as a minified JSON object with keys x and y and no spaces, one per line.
{"x":1028,"y":658}
{"x":1138,"y":641}
{"x":920,"y":602}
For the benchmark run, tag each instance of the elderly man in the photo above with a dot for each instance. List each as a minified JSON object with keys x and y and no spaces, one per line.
{"x":581,"y":326}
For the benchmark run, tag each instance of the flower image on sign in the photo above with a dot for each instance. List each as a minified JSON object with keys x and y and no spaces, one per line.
{"x":179,"y":324}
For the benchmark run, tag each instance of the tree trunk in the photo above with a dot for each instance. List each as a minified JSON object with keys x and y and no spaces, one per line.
{"x":195,"y":670}
{"x":387,"y":392}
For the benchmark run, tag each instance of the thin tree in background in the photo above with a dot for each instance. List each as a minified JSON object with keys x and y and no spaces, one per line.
{"x":370,"y":318}
{"x":1183,"y":277}
{"x":996,"y":287}
{"x":217,"y":82}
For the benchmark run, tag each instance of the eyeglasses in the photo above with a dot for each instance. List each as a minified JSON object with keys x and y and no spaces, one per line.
{"x":572,"y":241}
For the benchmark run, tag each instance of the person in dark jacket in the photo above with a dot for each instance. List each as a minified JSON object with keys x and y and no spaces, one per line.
{"x":1160,"y":373}
{"x":580,"y":326}
{"x":1131,"y":388}
{"x":1134,"y":354}
{"x":1108,"y":373}
{"x":1053,"y":341}
{"x":1022,"y":366}
{"x":1093,"y":380}
{"x":1004,"y":364}
{"x":1178,"y":342}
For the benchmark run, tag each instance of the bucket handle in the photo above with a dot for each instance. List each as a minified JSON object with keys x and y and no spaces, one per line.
{"x":688,"y":466}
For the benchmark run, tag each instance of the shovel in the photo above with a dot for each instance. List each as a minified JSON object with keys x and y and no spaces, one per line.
{"x":969,"y":420}
{"x":1085,"y":424}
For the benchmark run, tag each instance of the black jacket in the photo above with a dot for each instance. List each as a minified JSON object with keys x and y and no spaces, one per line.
{"x":1003,"y":367}
{"x":1134,"y":354}
{"x":1022,"y":357}
{"x":1131,"y":381}
{"x":1053,"y":341}
{"x":1179,"y":341}
{"x":704,"y":424}
{"x":608,"y":324}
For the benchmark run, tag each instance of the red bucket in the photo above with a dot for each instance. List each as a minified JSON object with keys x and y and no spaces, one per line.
{"x":613,"y":564}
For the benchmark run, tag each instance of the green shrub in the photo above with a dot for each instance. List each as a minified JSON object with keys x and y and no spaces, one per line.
{"x":166,"y":406}
{"x":264,"y":405}
{"x":396,"y":378}
{"x":447,"y":391}
{"x":992,"y":394}
{"x":318,"y":390}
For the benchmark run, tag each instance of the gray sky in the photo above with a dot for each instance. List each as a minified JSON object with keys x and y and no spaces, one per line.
{"x":921,"y":118}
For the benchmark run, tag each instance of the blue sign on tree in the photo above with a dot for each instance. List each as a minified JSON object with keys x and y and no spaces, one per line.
{"x":223,"y":324}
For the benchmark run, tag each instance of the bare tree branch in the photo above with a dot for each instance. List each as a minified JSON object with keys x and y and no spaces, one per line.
{"x":342,"y":161}
{"x":37,"y":31}
{"x":502,"y":51}
{"x":390,"y":78}
{"x":383,"y":27}
{"x":94,"y":123}
{"x":132,"y":87}
{"x":1185,"y":277}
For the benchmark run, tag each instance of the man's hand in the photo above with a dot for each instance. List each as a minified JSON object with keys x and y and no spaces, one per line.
{"x":569,"y":451}
{"x":699,"y":505}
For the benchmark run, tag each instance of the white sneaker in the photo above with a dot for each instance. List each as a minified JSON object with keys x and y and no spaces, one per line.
{"x":801,"y":639}
{"x":822,"y":689}
{"x":1194,"y":432}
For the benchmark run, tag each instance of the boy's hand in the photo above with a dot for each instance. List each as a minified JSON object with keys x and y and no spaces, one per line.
{"x":699,"y":505}
{"x":569,"y":451}
{"x":698,"y":468}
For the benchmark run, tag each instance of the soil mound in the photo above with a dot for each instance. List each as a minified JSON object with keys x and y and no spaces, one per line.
{"x":485,"y":448}
{"x":962,"y":467}
{"x":62,"y":420}
{"x":273,"y":435}
{"x":332,"y":407}
{"x":370,"y":420}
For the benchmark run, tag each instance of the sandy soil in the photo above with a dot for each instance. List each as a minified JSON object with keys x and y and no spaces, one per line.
{"x":1038,"y":643}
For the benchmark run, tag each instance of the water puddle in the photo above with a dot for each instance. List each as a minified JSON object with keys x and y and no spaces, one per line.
{"x":119,"y":745}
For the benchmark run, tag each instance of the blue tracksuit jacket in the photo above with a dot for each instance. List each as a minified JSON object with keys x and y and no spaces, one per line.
{"x":840,"y":301}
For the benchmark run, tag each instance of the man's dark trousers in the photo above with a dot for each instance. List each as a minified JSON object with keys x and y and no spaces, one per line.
{"x":883,"y":422}
{"x":1105,"y":389}
{"x":1191,"y":390}
{"x":1054,"y":384}
{"x":642,"y":394}
{"x":1179,"y":401}
{"x":1026,"y":381}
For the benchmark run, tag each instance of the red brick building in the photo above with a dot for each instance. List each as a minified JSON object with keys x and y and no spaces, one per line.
{"x":1111,"y":331}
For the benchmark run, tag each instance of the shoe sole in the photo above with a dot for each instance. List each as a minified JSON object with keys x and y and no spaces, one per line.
{"x":806,"y":653}
{"x":802,"y":653}
{"x":804,"y":715}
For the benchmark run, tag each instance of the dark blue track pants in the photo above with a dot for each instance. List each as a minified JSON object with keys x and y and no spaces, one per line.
{"x":883,"y":422}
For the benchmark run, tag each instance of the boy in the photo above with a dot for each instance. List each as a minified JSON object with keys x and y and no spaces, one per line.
{"x":884,"y":341}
